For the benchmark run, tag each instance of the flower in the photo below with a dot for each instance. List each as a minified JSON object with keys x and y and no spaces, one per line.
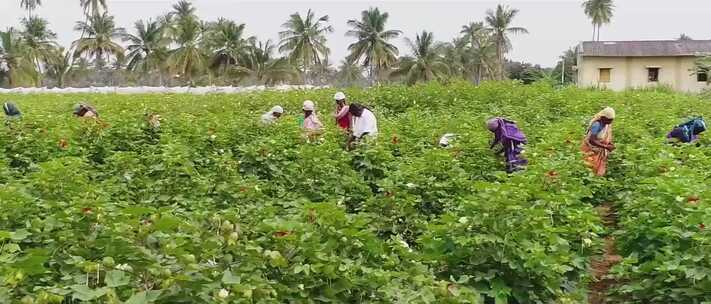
{"x":223,"y":293}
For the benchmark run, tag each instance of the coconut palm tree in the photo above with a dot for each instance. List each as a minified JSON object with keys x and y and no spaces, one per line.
{"x":266,"y":69}
{"x":599,"y":12}
{"x":183,"y":9}
{"x":93,"y":7}
{"x":350,"y":73}
{"x":60,"y":65}
{"x":372,"y":46}
{"x":230,"y":50}
{"x":188,"y":58}
{"x":499,"y":23}
{"x":30,"y":6}
{"x":481,"y":47}
{"x":148,"y":48}
{"x":17,"y":68}
{"x":101,"y":31}
{"x":426,"y":62}
{"x":39,"y":43}
{"x":304,"y":39}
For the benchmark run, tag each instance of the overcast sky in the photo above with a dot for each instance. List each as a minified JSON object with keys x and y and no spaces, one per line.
{"x":553,"y":25}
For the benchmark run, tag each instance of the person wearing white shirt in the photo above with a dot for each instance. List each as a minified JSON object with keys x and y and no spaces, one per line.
{"x":364,"y":123}
{"x":273,"y":114}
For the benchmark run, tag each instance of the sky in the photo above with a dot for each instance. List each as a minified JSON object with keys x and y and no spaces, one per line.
{"x":553,"y":26}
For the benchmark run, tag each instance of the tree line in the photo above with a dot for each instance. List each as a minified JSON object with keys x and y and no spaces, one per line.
{"x":178,"y":48}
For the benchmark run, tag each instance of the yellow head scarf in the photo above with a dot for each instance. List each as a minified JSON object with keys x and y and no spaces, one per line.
{"x":607,"y":112}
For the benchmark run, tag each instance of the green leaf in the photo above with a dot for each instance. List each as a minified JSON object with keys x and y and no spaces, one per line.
{"x":19,"y":235}
{"x":167,"y":223}
{"x":143,"y":297}
{"x":84,"y":293}
{"x":229,"y":278}
{"x":116,"y":278}
{"x":33,"y":262}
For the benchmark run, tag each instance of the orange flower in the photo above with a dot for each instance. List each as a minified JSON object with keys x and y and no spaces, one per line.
{"x":63,"y":144}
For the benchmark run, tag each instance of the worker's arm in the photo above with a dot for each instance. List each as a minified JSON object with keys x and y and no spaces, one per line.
{"x":341,"y":113}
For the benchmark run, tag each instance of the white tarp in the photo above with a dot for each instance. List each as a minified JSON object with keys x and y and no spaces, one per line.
{"x":158,"y":90}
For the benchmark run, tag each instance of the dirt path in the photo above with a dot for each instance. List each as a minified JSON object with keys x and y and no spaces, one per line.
{"x":601,"y":264}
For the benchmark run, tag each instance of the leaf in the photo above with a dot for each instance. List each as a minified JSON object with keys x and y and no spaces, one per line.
{"x":143,"y":297}
{"x":19,"y":235}
{"x":84,"y":293}
{"x":33,"y":262}
{"x":167,"y":223}
{"x":116,"y":278}
{"x":229,"y":278}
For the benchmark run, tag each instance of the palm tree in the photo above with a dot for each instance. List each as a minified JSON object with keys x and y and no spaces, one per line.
{"x":457,"y":56}
{"x":499,"y":23}
{"x":304,"y":40}
{"x":93,"y":7}
{"x":599,"y":12}
{"x":101,"y":32}
{"x":30,"y":5}
{"x":12,"y":55}
{"x":266,"y":69}
{"x":230,"y":50}
{"x":349,"y":73}
{"x":183,"y":9}
{"x":39,"y":43}
{"x":188,"y":57}
{"x":147,"y":49}
{"x":684,"y":37}
{"x":372,"y":47}
{"x":60,"y":65}
{"x":426,"y":63}
{"x":481,"y":47}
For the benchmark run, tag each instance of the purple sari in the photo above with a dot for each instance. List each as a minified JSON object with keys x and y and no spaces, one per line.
{"x":512,"y":140}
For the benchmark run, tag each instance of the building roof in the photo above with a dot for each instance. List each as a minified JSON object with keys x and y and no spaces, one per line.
{"x":660,"y":48}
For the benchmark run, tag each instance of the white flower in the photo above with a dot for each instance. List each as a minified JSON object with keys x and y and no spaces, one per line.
{"x":411,"y":185}
{"x":587,"y":242}
{"x":213,"y":137}
{"x":223,"y":293}
{"x":124,"y":267}
{"x":463,"y":220}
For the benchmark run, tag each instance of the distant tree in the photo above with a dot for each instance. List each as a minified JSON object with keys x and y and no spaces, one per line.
{"x":570,"y":58}
{"x":183,"y":9}
{"x":17,"y":68}
{"x":499,"y":23}
{"x":304,"y":40}
{"x":229,"y":48}
{"x":269,"y":70}
{"x":93,"y":7}
{"x":147,"y":49}
{"x":600,"y":12}
{"x":372,"y":46}
{"x":684,"y":37}
{"x":425,"y":64}
{"x":524,"y":72}
{"x":350,"y":74}
{"x":99,"y":43}
{"x":30,"y":6}
{"x":188,"y":58}
{"x":39,"y":44}
{"x":60,"y":65}
{"x":482,"y":49}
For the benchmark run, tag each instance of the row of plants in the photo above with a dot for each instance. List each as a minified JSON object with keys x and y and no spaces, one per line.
{"x":212,"y":207}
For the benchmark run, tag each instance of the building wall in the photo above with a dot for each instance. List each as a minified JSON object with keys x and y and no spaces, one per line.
{"x":631,"y":72}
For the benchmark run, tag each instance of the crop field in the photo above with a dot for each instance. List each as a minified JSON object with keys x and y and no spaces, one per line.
{"x":215,"y":208}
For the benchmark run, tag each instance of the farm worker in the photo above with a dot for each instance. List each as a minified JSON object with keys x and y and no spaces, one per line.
{"x":364,"y":123}
{"x":446,"y":140}
{"x":687,"y":132}
{"x":312,"y":125}
{"x":273,"y":114}
{"x":84,"y":110}
{"x":511,"y":139}
{"x":342,"y":116}
{"x":11,"y":110}
{"x":154,"y":121}
{"x":597,"y":143}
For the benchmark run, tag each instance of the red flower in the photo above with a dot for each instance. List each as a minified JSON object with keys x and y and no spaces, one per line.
{"x":86,"y":210}
{"x":693,"y":200}
{"x":243,"y":189}
{"x":395,"y":140}
{"x":389,"y":194}
{"x":702,"y":226}
{"x":63,"y":144}
{"x":552,"y":173}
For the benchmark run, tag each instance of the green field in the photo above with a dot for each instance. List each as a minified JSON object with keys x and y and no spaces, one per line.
{"x":215,"y":208}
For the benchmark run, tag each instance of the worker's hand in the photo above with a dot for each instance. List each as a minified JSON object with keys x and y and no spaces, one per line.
{"x":611,"y":147}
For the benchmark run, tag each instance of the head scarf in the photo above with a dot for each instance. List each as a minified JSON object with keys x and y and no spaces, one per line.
{"x":505,"y":129}
{"x":10,"y":109}
{"x":277,"y":109}
{"x":309,"y":106}
{"x":339,"y":96}
{"x":607,"y":112}
{"x":493,"y":124}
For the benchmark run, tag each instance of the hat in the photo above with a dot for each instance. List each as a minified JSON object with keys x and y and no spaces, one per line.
{"x":493,"y":124}
{"x":339,"y":96}
{"x":309,"y":105}
{"x":277,"y":109}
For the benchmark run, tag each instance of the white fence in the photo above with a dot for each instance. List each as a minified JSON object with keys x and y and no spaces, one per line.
{"x":158,"y":90}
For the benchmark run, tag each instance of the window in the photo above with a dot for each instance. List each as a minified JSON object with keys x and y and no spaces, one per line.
{"x":605,"y":75}
{"x":653,"y":74}
{"x":702,"y":76}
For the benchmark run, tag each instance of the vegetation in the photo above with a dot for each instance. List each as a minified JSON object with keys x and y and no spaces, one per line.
{"x":178,"y":48}
{"x":212,"y":209}
{"x":600,"y":12}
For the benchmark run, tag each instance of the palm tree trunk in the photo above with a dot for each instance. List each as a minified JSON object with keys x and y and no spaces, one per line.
{"x":594,"y":28}
{"x":598,"y":31}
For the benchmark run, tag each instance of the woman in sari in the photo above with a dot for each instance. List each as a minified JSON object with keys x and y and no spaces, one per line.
{"x":687,"y":132}
{"x":597,"y":144}
{"x":507,"y":133}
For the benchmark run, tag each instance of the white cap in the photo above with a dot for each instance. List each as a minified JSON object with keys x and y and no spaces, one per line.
{"x":309,"y":105}
{"x":277,"y":109}
{"x":339,"y":96}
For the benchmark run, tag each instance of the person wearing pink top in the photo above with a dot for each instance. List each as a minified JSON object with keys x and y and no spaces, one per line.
{"x":312,"y":125}
{"x":342,"y":115}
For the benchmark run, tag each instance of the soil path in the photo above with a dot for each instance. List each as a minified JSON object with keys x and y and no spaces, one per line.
{"x":601,"y":264}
